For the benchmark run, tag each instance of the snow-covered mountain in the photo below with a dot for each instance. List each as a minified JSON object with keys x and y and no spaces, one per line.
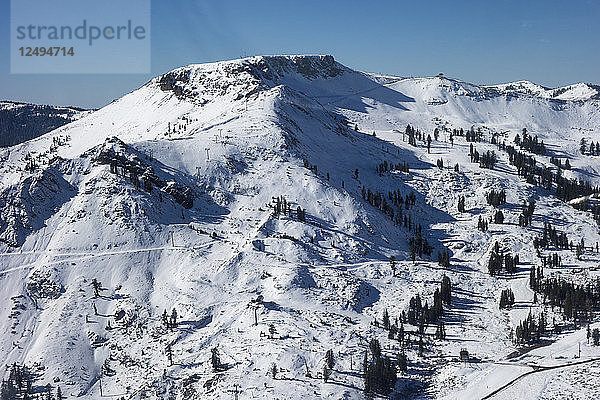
{"x":268,"y":202}
{"x":20,"y":122}
{"x":578,"y":91}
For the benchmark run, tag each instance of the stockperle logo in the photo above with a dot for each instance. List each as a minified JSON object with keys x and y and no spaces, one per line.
{"x":80,"y":36}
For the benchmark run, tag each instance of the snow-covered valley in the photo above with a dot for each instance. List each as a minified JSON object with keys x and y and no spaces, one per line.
{"x":281,"y":207}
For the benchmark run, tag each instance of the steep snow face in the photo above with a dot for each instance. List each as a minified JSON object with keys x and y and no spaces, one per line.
{"x":189,"y":193}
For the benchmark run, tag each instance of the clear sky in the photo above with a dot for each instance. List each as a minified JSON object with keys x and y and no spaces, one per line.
{"x":550,"y":42}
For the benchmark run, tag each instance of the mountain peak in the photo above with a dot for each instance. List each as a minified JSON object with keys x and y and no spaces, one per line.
{"x":244,"y":77}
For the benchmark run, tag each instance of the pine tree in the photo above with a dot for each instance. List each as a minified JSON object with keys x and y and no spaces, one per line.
{"x":402,"y":362}
{"x":169,"y":353}
{"x":165,"y":319}
{"x":215,"y":360}
{"x":326,"y":373}
{"x":446,"y":290}
{"x":461,"y":204}
{"x":173,"y":319}
{"x":596,"y":336}
{"x":386,"y":319}
{"x":440,"y":332}
{"x":582,"y":146}
{"x":329,"y":359}
{"x":393,"y":265}
{"x":97,"y":286}
{"x":499,"y":217}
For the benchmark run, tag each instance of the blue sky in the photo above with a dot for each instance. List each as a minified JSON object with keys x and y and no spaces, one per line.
{"x":549,"y":42}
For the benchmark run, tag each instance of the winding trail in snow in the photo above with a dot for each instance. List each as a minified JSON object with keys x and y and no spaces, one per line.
{"x":536,"y":368}
{"x":88,"y":255}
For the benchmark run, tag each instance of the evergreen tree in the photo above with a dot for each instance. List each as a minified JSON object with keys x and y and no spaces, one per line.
{"x":173,"y":319}
{"x":97,"y":286}
{"x":379,"y":372}
{"x":596,"y":336}
{"x":326,"y":373}
{"x":393,"y":265}
{"x":402,"y":362}
{"x":461,"y":204}
{"x":386,"y":319}
{"x":215,"y":360}
{"x":329,"y":359}
{"x":169,"y":353}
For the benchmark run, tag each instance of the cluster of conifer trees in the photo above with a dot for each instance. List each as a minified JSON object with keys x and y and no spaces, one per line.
{"x":558,"y":162}
{"x":553,"y":260}
{"x":414,"y":135}
{"x":379,"y":372}
{"x":595,"y":335}
{"x":170,"y":322}
{"x":281,"y":206}
{"x":565,"y":188}
{"x":421,"y":314}
{"x":496,"y":198}
{"x":472,"y":135}
{"x":378,"y":200}
{"x":392,"y":206}
{"x":443,"y":258}
{"x":577,"y":301}
{"x":551,"y":237}
{"x":20,"y":386}
{"x":486,"y":160}
{"x":526,"y":215}
{"x":389,"y":167}
{"x":531,"y":329}
{"x":179,"y":127}
{"x":31,"y":162}
{"x":418,"y":244}
{"x":499,"y":262}
{"x":591,"y":150}
{"x":531,"y":144}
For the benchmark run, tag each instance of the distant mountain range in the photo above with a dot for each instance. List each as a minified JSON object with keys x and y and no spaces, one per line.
{"x":20,"y":122}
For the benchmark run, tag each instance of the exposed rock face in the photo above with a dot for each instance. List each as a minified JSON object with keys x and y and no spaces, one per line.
{"x":25,"y":206}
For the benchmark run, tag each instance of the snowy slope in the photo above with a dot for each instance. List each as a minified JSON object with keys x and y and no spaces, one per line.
{"x":216,"y":143}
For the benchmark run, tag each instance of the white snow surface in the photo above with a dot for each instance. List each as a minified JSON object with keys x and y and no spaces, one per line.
{"x":237,"y":134}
